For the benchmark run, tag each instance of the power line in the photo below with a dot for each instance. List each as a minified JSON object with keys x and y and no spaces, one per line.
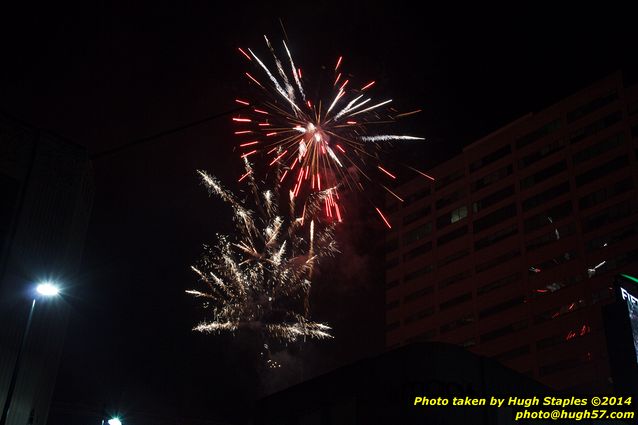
{"x":147,"y":139}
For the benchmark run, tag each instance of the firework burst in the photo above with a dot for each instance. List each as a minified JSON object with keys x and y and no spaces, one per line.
{"x":260,"y":279}
{"x":320,"y":143}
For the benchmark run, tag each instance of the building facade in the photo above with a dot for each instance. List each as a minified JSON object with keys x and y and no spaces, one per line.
{"x":45,"y":201}
{"x":511,"y":251}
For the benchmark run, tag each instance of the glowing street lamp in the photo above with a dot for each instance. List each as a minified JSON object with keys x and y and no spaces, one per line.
{"x":43,"y":290}
{"x":114,"y":421}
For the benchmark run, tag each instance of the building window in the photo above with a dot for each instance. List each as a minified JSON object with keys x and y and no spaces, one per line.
{"x":494,"y":218}
{"x":505,"y":330}
{"x":417,"y":233}
{"x":459,"y":277}
{"x":391,"y":245}
{"x":513,"y":353}
{"x":453,"y":257}
{"x":392,"y":305}
{"x":498,"y":308}
{"x":455,"y":301}
{"x":497,"y":261}
{"x":493,"y":198}
{"x":418,"y":273}
{"x":410,"y":199}
{"x":543,"y":219}
{"x":496,"y":237}
{"x":591,"y":106}
{"x":493,"y":177}
{"x":490,"y":158}
{"x":604,"y":194}
{"x":538,"y":134}
{"x":549,"y":237}
{"x":451,"y":217}
{"x":545,"y":196}
{"x":418,"y":294}
{"x":598,"y":149}
{"x":609,"y":215}
{"x":458,"y":323}
{"x":553,"y":262}
{"x":556,"y":312}
{"x":598,"y":172}
{"x":392,"y":284}
{"x":391,"y":326}
{"x":618,"y":261}
{"x":563,"y":365}
{"x":450,"y":236}
{"x":423,"y":337}
{"x":449,"y":179}
{"x":596,"y":127}
{"x":420,"y":250}
{"x":414,"y":216}
{"x":419,"y":315}
{"x":543,"y":174}
{"x":498,"y":284}
{"x":612,"y":238}
{"x":543,"y":153}
{"x":393,"y":262}
{"x":451,"y":198}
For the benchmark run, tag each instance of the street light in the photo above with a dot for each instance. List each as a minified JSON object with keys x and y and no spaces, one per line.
{"x":114,"y":421}
{"x":43,"y":290}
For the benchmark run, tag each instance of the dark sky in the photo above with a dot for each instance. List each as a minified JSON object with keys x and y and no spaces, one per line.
{"x":103,"y":75}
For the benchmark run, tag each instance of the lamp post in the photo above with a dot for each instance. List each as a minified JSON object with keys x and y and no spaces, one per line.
{"x":44,"y":290}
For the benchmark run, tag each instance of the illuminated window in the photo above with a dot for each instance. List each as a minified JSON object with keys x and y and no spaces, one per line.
{"x":453,"y":216}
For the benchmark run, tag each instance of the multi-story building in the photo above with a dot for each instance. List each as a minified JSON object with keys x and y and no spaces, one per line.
{"x":511,"y":251}
{"x":45,"y":201}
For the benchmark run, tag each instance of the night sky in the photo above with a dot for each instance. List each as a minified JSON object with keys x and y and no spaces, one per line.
{"x":105,"y":75}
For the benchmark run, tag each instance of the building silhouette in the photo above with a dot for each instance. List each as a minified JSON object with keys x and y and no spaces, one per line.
{"x":46,"y":194}
{"x":511,"y":252}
